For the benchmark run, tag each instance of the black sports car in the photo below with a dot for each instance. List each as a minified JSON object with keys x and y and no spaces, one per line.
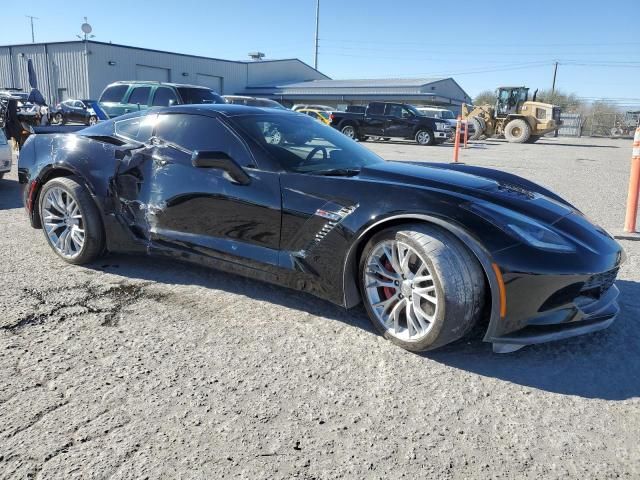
{"x":430,"y":249}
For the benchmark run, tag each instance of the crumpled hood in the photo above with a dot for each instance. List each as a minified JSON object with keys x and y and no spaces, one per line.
{"x":494,"y":186}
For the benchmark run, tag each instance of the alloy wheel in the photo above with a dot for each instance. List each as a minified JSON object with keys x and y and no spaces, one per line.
{"x":423,"y":137}
{"x":401,"y":290}
{"x":349,"y":131}
{"x":63,"y":222}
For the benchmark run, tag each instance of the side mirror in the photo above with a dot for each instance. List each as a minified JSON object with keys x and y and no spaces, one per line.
{"x":221,"y":161}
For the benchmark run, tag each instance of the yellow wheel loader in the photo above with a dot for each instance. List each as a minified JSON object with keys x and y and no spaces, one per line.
{"x":514,"y":116}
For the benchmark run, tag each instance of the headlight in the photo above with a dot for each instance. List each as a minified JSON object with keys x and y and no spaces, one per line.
{"x":523,"y":228}
{"x":442,"y":126}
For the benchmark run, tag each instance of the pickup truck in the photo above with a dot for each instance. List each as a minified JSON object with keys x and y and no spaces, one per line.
{"x":391,"y":120}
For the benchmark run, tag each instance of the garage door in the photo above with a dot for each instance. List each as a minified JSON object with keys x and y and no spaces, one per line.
{"x":145,"y":72}
{"x":211,"y":81}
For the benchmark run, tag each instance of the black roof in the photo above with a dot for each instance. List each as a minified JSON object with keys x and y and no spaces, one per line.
{"x":227,"y":109}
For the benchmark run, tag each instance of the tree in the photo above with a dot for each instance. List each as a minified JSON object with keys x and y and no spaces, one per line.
{"x":485,"y":97}
{"x":569,"y":102}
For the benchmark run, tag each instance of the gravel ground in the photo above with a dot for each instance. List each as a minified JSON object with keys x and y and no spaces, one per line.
{"x":139,"y":368}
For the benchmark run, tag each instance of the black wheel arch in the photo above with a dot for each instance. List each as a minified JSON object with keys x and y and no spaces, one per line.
{"x":352,"y":295}
{"x":49,"y":173}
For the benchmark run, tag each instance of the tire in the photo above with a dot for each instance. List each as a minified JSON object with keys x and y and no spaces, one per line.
{"x":445,"y":269}
{"x":424,"y":136}
{"x":478,"y":128}
{"x":349,"y":131}
{"x":58,"y":118}
{"x":517,"y":131}
{"x":93,"y":120}
{"x":56,"y":198}
{"x":534,"y":138}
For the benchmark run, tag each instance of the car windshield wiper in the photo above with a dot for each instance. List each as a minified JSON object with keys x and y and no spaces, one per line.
{"x":337,"y":172}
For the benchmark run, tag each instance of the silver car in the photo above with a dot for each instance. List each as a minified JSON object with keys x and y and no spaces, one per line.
{"x":5,"y":154}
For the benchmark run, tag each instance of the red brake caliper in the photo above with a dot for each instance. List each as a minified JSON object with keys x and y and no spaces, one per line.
{"x":388,"y":292}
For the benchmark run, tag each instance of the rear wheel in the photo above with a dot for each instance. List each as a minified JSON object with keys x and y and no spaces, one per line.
{"x":93,"y":120}
{"x":71,"y":221}
{"x":421,"y":287}
{"x":424,"y":137}
{"x":58,"y":118}
{"x":349,"y":131}
{"x":517,"y":131}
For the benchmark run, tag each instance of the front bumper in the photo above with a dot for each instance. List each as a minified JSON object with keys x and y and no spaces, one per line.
{"x":442,"y":135}
{"x":547,"y":299}
{"x":578,"y":319}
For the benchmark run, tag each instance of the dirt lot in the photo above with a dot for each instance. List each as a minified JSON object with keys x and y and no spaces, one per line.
{"x":138,"y":368}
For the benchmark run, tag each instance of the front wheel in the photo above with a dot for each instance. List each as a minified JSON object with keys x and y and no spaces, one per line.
{"x":517,"y":131}
{"x":424,"y":137}
{"x":71,"y":221}
{"x":421,"y":287}
{"x":93,"y":120}
{"x":58,"y":118}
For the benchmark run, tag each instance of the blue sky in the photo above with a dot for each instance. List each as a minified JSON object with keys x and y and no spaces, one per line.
{"x":598,"y":47}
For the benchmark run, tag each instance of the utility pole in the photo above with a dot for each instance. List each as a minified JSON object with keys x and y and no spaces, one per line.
{"x":315,"y":63}
{"x":32,"y":18}
{"x":555,"y":72}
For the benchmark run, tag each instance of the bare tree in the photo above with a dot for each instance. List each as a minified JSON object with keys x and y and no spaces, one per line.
{"x":485,"y":97}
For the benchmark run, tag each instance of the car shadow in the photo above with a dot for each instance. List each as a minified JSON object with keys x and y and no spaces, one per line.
{"x":604,"y":365}
{"x":9,"y":194}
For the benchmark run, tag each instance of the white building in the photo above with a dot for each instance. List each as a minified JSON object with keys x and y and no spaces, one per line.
{"x":81,"y":70}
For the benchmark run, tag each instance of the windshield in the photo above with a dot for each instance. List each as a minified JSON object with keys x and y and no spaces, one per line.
{"x":301,"y":144}
{"x":199,"y":95}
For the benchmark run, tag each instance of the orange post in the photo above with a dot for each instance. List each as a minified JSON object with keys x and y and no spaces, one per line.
{"x":456,"y":144}
{"x":466,"y":132}
{"x":634,"y":186}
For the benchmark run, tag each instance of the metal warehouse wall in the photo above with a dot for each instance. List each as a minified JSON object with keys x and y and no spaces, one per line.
{"x":276,"y":72}
{"x":60,"y":68}
{"x":128,"y":59}
{"x":446,"y":88}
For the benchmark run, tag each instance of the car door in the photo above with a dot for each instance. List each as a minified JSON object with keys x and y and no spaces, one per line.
{"x":398,"y":121}
{"x":138,"y":99}
{"x":203,"y":210}
{"x":374,"y":119}
{"x":78,"y":111}
{"x":111,"y":100}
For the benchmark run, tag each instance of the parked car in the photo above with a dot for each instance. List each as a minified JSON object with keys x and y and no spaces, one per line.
{"x":300,"y":106}
{"x":391,"y":120}
{"x":75,"y":111}
{"x":430,"y":249}
{"x":252,"y":101}
{"x":124,"y":97}
{"x":5,"y":154}
{"x":320,"y":115}
{"x":448,"y":115}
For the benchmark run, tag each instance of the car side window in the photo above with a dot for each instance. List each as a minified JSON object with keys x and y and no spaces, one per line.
{"x":394,"y":110}
{"x":376,"y":109}
{"x":138,"y":129}
{"x":77,"y":104}
{"x":163,"y":96}
{"x":140,"y":95}
{"x":198,"y":132}
{"x":114,"y":93}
